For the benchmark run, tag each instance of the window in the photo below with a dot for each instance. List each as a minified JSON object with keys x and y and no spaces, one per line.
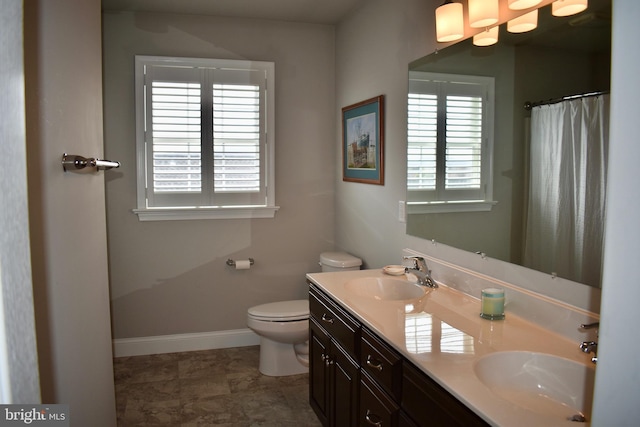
{"x":450,"y":142}
{"x":205,"y":140}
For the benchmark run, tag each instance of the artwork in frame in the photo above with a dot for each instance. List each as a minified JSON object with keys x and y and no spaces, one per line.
{"x":363,"y":141}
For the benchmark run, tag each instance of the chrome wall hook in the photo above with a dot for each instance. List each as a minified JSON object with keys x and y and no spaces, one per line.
{"x":75,"y":163}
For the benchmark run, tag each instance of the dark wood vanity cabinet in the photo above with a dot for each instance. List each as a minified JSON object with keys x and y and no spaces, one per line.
{"x":356,"y":379}
{"x":334,"y":374}
{"x":429,"y":404}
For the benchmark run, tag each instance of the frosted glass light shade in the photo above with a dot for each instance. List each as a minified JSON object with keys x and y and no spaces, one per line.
{"x":449,"y":22}
{"x":568,"y":7}
{"x":524,"y":23}
{"x":483,"y":13}
{"x":522,"y":4}
{"x":486,"y":38}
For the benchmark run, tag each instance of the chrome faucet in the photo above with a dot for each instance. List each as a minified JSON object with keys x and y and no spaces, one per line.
{"x":590,"y":346}
{"x":421,"y":271}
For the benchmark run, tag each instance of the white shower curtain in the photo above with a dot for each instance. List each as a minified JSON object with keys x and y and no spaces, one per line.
{"x":567,"y":182}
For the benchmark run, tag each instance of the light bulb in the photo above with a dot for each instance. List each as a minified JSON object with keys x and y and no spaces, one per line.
{"x":568,"y":7}
{"x":524,"y":23}
{"x":486,"y":38}
{"x":449,"y":22}
{"x":483,"y":13}
{"x":522,"y":4}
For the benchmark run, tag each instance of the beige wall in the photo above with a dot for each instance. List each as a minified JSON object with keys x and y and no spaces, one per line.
{"x":66,"y":210}
{"x":170,"y":277}
{"x":374,"y":48}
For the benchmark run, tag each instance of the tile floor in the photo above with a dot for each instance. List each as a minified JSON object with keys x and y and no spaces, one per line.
{"x":208,"y":388}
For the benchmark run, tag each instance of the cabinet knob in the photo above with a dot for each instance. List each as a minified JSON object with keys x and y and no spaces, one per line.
{"x":373,"y":419}
{"x":373,"y":363}
{"x":326,"y":359}
{"x":326,"y":318}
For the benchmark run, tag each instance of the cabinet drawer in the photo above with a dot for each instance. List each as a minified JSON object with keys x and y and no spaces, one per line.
{"x":376,"y":407}
{"x":430,"y":404}
{"x":340,"y":325}
{"x":382,"y":363}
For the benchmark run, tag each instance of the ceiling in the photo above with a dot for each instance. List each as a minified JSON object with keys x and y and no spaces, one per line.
{"x":309,"y":11}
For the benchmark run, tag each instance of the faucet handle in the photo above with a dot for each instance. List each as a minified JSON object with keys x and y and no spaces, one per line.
{"x":417,"y":261}
{"x":590,"y":347}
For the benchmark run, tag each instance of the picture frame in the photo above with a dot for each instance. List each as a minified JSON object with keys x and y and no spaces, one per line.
{"x":363,"y":141}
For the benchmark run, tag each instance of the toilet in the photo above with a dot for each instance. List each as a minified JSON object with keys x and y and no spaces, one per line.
{"x":283,"y":326}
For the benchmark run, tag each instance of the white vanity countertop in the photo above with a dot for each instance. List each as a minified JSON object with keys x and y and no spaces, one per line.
{"x":444,"y":336}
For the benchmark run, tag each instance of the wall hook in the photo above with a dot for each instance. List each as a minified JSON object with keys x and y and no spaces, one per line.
{"x":75,"y":163}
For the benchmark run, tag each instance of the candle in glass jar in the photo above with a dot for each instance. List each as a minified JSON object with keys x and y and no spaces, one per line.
{"x":492,"y":304}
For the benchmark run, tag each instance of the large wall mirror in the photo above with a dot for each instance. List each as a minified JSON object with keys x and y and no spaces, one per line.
{"x":562,"y":57}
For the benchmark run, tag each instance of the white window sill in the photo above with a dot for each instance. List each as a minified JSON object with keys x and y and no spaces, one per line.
{"x":230,"y":212}
{"x":453,"y":206}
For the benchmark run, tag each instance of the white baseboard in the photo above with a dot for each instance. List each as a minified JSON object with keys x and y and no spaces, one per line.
{"x":184,"y":342}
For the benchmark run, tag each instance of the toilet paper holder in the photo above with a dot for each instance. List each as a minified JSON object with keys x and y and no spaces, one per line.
{"x":232,"y":263}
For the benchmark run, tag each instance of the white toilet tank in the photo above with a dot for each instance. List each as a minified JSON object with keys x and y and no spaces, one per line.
{"x":339,"y":261}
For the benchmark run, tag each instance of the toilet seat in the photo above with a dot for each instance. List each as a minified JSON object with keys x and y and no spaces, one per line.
{"x":281,"y":311}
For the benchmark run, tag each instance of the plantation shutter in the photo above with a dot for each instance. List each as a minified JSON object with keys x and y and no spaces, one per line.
{"x":204,"y":136}
{"x":176,"y":136}
{"x":447,"y":138}
{"x":173,"y":135}
{"x":422,"y":136}
{"x":238,"y":138}
{"x":463,"y":142}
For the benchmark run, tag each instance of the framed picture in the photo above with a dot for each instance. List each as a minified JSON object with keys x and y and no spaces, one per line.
{"x":363,"y":141}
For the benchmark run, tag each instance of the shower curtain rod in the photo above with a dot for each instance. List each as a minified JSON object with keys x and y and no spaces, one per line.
{"x":528,"y":105}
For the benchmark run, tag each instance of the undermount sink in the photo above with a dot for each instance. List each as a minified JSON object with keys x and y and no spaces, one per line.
{"x":540,"y":382}
{"x":385,"y":288}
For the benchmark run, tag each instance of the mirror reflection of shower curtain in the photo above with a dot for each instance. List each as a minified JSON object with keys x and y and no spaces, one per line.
{"x":567,"y":182}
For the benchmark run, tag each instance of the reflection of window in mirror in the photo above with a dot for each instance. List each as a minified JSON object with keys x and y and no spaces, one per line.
{"x":422,"y":331}
{"x":450,"y":142}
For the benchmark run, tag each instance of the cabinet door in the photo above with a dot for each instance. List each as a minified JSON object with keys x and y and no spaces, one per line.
{"x":345,"y":378}
{"x":340,"y":325}
{"x":405,"y":421}
{"x":376,"y":407}
{"x":430,"y":404}
{"x":319,"y":346}
{"x":382,"y":363}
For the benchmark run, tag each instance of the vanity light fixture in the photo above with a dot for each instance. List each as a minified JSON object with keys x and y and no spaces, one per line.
{"x":486,"y":38}
{"x":449,"y":22}
{"x":524,"y":23}
{"x":483,"y":13}
{"x":568,"y":7}
{"x":522,"y":4}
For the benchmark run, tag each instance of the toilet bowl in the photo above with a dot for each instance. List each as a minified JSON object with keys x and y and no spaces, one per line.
{"x":283,"y":326}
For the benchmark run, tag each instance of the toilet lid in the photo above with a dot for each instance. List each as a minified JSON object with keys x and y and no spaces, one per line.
{"x":281,"y":310}
{"x":339,"y":259}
